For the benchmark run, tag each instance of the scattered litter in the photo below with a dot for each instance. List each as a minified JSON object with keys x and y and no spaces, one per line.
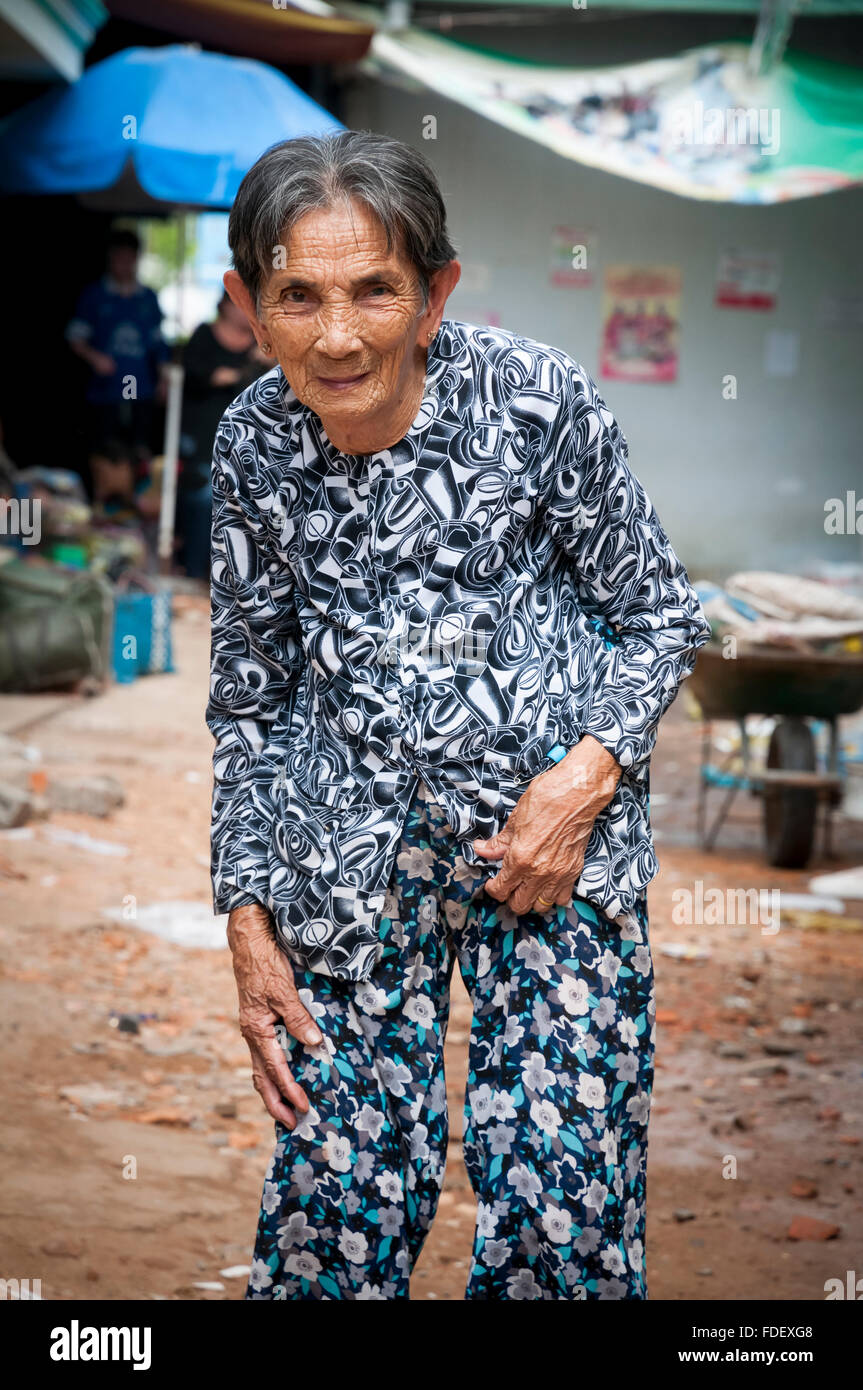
{"x":683,"y":1214}
{"x":847,"y":883}
{"x":130,"y":1023}
{"x":236,"y":1272}
{"x":81,"y":841}
{"x":87,"y":796}
{"x":683,"y":950}
{"x":809,"y":902}
{"x":20,"y":832}
{"x":808,"y":1228}
{"x":184,"y":923}
{"x":210,"y":1286}
{"x":92,"y":1094}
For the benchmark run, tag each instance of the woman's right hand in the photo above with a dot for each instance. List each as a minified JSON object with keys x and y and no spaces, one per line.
{"x":268,"y":995}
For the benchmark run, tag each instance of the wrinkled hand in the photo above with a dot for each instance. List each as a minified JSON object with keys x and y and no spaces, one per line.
{"x":544,"y":840}
{"x":268,"y":995}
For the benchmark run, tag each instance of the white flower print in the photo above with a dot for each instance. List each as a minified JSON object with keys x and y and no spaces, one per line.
{"x":371,"y":1293}
{"x":546,"y":1117}
{"x":393,"y":1075}
{"x":513,"y":1032}
{"x":499,"y":1139}
{"x":271,"y":1201}
{"x":640,"y":960}
{"x":573,"y":993}
{"x":353,"y":1246}
{"x":495,"y":1253}
{"x":523,"y":1285}
{"x":604,"y":1013}
{"x":417,"y":973}
{"x":612,"y":1260}
{"x":390,"y":1185}
{"x":392,"y":1220}
{"x":295,"y":1231}
{"x":483,"y":962}
{"x":535,"y":1074}
{"x":591,"y":1091}
{"x":370,"y":1121}
{"x":635,"y":1251}
{"x":609,"y":966}
{"x":626,"y":1066}
{"x":427,"y":912}
{"x":596,"y":1196}
{"x":557,"y":1224}
{"x":628,"y":1031}
{"x":608,"y":1290}
{"x":542,"y":1018}
{"x":420,"y":1011}
{"x":630,"y":1220}
{"x":260,"y":1277}
{"x":304,"y":1265}
{"x":502,"y":1106}
{"x":455,"y":913}
{"x":536,"y":957}
{"x":588,"y":1241}
{"x":501,"y":994}
{"x":608,"y":1147}
{"x":480,"y":1103}
{"x":486,"y":1220}
{"x":526,"y":1183}
{"x":370,"y":999}
{"x":632,"y":1165}
{"x":464,"y":874}
{"x":418,"y":1145}
{"x":337,"y":1151}
{"x":311,"y":1004}
{"x":638,"y":1108}
{"x":305,"y":1126}
{"x":416,"y":862}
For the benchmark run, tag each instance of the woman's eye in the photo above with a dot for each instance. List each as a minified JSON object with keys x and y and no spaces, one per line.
{"x":379,"y":289}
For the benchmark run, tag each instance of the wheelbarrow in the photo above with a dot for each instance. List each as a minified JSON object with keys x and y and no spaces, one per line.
{"x":794,"y":689}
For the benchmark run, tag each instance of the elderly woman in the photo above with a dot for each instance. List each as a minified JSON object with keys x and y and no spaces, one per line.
{"x":446,"y":623}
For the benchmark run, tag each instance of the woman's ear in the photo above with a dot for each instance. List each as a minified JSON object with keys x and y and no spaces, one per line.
{"x":441,"y":285}
{"x":239,"y":295}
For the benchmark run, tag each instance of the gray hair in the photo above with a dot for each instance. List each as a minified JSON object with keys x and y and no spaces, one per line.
{"x":297,"y":176}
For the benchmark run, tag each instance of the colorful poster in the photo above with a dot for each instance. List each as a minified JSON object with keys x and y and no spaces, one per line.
{"x":747,"y":280}
{"x":641,"y":313}
{"x":572,"y":257}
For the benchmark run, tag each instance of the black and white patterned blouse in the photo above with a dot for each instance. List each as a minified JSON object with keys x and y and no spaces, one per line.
{"x":451,"y":608}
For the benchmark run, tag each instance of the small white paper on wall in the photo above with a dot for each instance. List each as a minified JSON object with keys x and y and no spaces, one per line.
{"x":781,"y":353}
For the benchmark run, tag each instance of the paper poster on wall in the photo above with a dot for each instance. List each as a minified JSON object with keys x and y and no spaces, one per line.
{"x":573,"y":257}
{"x":747,"y":280}
{"x":640,"y":317}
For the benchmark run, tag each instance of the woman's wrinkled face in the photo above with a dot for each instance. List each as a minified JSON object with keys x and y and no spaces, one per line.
{"x":343,"y":313}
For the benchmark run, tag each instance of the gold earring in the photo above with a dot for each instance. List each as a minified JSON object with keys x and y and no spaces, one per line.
{"x":267,"y":349}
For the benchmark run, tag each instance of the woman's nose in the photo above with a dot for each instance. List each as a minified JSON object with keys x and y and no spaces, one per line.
{"x":339,"y":333}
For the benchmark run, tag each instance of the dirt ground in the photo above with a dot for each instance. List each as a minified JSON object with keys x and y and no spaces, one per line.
{"x":132,"y":1162}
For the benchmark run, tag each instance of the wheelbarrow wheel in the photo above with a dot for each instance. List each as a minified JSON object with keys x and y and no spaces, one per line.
{"x":790,"y":812}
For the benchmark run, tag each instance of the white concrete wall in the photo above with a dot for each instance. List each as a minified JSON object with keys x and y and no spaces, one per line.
{"x":738,"y":483}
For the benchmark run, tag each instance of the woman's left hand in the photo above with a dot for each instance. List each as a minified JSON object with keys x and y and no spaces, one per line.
{"x":544,"y":839}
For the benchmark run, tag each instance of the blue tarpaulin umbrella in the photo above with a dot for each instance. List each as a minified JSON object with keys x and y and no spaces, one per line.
{"x":153,"y":126}
{"x":152,"y":130}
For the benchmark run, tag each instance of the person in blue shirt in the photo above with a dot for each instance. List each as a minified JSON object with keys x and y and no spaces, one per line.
{"x":116,"y":330}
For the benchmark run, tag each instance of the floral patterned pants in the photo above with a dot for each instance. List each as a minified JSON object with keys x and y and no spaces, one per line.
{"x":558,"y":1094}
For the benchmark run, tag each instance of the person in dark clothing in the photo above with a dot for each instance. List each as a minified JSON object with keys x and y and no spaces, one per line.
{"x":220,"y":360}
{"x":116,"y":330}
